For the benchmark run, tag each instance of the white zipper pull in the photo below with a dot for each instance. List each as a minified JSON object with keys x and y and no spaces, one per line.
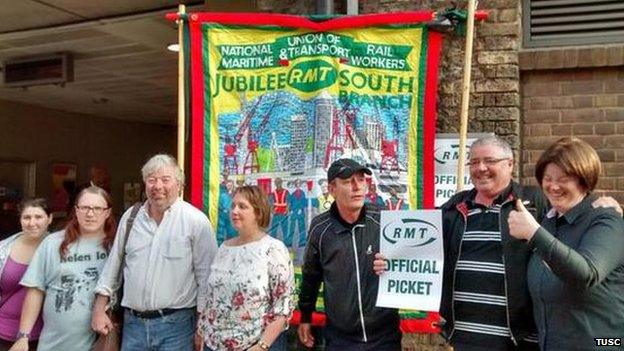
{"x":369,"y":250}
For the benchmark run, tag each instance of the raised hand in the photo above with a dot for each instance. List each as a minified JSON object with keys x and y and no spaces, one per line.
{"x":522,"y":225}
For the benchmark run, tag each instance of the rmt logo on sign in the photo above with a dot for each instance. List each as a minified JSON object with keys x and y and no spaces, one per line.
{"x":411,"y":232}
{"x":448,"y":153}
{"x":608,"y":341}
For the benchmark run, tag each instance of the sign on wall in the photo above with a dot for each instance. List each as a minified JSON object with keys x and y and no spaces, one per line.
{"x":446,"y":156}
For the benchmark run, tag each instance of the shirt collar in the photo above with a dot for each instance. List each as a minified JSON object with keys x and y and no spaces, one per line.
{"x":505,"y":195}
{"x":575,"y":211}
{"x":173,"y":206}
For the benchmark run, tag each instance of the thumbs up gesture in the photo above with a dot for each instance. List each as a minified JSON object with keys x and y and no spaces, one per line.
{"x":522,"y":225}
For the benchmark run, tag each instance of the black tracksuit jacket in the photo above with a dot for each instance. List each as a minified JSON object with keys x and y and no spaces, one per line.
{"x":340,"y":256}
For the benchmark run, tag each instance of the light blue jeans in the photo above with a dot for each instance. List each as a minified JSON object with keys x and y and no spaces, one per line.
{"x":173,"y":332}
{"x":280,"y":344}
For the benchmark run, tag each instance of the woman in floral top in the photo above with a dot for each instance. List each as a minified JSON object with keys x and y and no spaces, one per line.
{"x":251,"y":282}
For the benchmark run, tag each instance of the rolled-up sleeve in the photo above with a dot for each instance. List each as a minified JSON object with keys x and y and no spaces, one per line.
{"x":111,"y":278}
{"x":204,"y":251}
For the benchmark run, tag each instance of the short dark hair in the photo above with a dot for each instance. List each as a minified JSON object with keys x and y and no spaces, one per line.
{"x":258,"y":200}
{"x":575,"y":157}
{"x":35,"y":202}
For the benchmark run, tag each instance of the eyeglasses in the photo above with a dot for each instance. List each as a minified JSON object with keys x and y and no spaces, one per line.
{"x":486,"y":161}
{"x":166,"y":180}
{"x":97,"y":210}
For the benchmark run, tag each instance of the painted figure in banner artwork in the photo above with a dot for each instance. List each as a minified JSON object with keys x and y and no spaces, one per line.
{"x":372,"y":197}
{"x":224,"y":225}
{"x":323,"y":202}
{"x":395,"y":202}
{"x":298,"y":204}
{"x":279,"y":206}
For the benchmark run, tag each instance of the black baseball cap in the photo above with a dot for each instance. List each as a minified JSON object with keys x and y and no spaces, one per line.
{"x":345,"y":168}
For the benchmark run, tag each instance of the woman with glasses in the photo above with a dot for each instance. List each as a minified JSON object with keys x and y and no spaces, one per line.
{"x":16,"y":253}
{"x":251,"y":282}
{"x":63,"y":273}
{"x":576,"y":272}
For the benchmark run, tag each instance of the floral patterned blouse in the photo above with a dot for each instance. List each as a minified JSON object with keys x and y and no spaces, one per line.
{"x":249,"y":286}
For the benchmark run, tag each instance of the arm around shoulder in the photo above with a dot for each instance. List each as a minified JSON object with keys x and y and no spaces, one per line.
{"x":600,"y":251}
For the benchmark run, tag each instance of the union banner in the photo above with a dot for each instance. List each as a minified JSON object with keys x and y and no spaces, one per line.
{"x":279,"y":97}
{"x":275,"y":99}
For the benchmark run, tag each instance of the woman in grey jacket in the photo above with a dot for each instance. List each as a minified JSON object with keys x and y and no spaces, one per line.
{"x":576,"y":272}
{"x":15,"y":255}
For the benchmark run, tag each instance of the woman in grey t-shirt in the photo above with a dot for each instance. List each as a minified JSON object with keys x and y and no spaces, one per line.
{"x":63,"y":273}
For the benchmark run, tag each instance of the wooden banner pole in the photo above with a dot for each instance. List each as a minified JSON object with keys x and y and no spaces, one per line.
{"x":181,"y":89}
{"x":463,"y":131}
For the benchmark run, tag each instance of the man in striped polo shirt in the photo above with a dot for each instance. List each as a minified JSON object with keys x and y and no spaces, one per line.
{"x":485,"y":300}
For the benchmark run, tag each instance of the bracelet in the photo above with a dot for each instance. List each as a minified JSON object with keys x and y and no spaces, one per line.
{"x":21,"y":335}
{"x":264,"y":345}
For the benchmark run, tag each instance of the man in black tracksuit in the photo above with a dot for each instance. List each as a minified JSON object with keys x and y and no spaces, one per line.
{"x":340,"y":254}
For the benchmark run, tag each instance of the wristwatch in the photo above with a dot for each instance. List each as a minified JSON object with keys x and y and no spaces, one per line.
{"x":263,"y":345}
{"x":21,"y":335}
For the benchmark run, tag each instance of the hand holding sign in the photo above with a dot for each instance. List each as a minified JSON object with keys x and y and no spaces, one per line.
{"x":522,"y":225}
{"x":379,"y":265}
{"x":305,"y":334}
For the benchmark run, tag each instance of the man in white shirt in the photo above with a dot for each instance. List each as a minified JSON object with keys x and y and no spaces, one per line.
{"x":167,"y":260}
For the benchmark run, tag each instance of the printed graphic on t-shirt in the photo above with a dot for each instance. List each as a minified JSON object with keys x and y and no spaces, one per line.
{"x":74,"y":285}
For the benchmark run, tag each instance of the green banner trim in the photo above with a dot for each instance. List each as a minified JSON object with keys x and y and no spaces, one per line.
{"x":207,"y":122}
{"x":422,"y":78}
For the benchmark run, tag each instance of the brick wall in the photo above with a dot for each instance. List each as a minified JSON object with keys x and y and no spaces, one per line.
{"x":495,"y":89}
{"x":585,"y":100}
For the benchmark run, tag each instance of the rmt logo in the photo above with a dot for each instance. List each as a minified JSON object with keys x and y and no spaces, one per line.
{"x":608,"y":341}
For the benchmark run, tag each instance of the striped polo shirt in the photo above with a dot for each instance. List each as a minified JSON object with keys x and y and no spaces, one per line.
{"x":479,"y":296}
